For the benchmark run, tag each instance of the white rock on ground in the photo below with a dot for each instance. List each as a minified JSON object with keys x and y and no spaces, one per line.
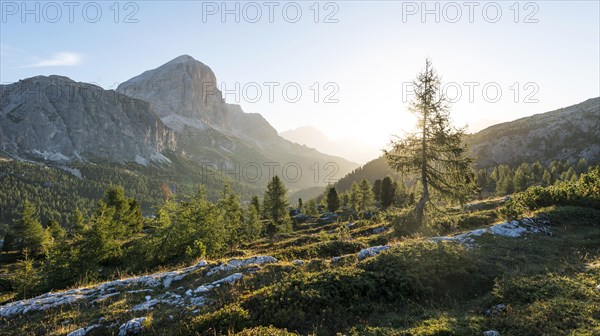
{"x":179,"y":301}
{"x":102,"y":291}
{"x":83,"y":331}
{"x":104,"y":297}
{"x":491,"y":333}
{"x":198,"y":301}
{"x":511,"y":229}
{"x":496,"y":309}
{"x":140,"y":291}
{"x":380,"y":229}
{"x":203,"y":289}
{"x":237,"y":263}
{"x":146,"y":305}
{"x":228,"y":279}
{"x":109,"y":289}
{"x":132,"y":327}
{"x":372,"y":251}
{"x":298,"y":262}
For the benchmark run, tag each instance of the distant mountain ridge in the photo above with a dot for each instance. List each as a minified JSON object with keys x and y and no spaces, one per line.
{"x":347,"y":148}
{"x":568,"y":133}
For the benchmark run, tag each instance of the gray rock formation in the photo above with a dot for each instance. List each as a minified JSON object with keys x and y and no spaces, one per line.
{"x":568,"y":133}
{"x":183,"y":87}
{"x":184,"y":93}
{"x":57,"y":119}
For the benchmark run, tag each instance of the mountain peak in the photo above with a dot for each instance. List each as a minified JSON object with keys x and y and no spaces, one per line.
{"x":180,"y":86}
{"x":186,"y":59}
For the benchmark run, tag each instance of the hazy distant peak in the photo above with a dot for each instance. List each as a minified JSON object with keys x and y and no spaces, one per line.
{"x":350,"y":149}
{"x":306,"y":132}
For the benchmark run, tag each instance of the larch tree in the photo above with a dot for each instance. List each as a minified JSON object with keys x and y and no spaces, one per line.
{"x":434,"y":153}
{"x":230,"y":216}
{"x":255,"y":202}
{"x":275,"y":201}
{"x":388,"y":192}
{"x":29,"y":233}
{"x":377,"y":191}
{"x":354,"y":197}
{"x":252,"y":224}
{"x":366,"y":195}
{"x":333,"y":200}
{"x":311,"y":207}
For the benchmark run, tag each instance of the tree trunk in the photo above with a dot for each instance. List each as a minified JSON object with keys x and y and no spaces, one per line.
{"x":420,"y":208}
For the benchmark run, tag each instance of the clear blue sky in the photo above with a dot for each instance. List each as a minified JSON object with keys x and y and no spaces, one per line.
{"x":372,"y":49}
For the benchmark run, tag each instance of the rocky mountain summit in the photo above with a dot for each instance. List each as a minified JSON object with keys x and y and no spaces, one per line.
{"x":183,"y":87}
{"x":57,"y":119}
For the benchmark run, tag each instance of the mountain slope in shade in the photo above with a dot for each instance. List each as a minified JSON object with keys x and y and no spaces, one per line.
{"x":568,"y":133}
{"x":347,"y":148}
{"x":57,"y":119}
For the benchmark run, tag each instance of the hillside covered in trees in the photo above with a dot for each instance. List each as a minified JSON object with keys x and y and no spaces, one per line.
{"x":366,"y":277}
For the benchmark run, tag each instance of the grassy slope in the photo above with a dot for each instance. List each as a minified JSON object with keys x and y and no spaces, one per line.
{"x":548,"y":284}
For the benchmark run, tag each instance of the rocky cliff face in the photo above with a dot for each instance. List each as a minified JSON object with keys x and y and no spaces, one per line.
{"x":183,"y":87}
{"x":184,"y":93}
{"x":568,"y":133}
{"x":57,"y":119}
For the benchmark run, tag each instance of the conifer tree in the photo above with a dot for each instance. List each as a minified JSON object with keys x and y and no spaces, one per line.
{"x":255,"y":202}
{"x":435,"y":153}
{"x":388,"y":192}
{"x":26,"y":275}
{"x":252,"y":225}
{"x":366,"y":195}
{"x":311,"y":207}
{"x":520,"y":180}
{"x":377,"y":191}
{"x":333,"y":200}
{"x":547,"y":179}
{"x":56,"y":231}
{"x":29,"y":233}
{"x":355,"y":197}
{"x":230,"y":216}
{"x":275,"y":201}
{"x":77,"y":223}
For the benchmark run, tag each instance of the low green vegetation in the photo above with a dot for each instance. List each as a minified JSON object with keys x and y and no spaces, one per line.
{"x":538,"y":284}
{"x":116,"y":239}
